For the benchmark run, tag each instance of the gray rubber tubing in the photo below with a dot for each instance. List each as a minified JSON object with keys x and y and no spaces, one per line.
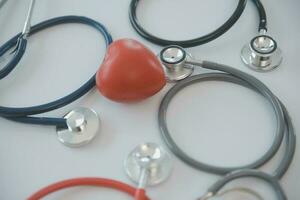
{"x":214,"y":189}
{"x":284,"y":123}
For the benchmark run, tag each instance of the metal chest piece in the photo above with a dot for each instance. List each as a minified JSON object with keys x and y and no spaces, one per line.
{"x":152,"y":158}
{"x":262,"y":54}
{"x":174,"y":60}
{"x":82,"y":127}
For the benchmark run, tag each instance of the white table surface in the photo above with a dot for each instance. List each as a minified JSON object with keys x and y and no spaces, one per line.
{"x":218,"y":123}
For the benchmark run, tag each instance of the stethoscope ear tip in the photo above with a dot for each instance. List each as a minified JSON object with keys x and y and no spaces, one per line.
{"x":262,"y":54}
{"x":83,"y":125}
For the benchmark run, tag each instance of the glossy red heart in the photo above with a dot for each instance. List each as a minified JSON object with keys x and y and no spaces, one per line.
{"x":130,"y":72}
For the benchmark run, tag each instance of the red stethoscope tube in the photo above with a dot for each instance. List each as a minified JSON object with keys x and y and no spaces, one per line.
{"x":138,"y":194}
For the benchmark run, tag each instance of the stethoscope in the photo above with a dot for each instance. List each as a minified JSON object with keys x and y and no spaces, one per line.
{"x":79,"y":126}
{"x":148,"y":164}
{"x":179,"y":65}
{"x":261,"y":54}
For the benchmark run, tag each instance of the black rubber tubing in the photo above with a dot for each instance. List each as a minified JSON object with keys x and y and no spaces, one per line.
{"x":200,"y":40}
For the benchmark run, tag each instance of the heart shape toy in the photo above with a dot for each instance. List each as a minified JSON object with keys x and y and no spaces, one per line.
{"x":130,"y":72}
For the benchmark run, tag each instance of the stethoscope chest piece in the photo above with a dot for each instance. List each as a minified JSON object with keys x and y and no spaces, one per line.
{"x":150,"y":163}
{"x":262,"y":54}
{"x":82,"y":127}
{"x":173,"y":59}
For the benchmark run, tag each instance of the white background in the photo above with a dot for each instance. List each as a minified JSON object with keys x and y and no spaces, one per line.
{"x":218,"y":123}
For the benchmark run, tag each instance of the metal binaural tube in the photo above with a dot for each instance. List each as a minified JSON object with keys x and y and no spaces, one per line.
{"x":27,"y":24}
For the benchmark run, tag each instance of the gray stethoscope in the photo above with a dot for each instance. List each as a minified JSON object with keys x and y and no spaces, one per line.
{"x":262,"y":53}
{"x":79,"y":126}
{"x":178,"y":66}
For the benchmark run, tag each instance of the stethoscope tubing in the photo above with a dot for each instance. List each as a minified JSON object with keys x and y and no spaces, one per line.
{"x":23,"y":114}
{"x":215,"y":188}
{"x":200,"y":40}
{"x":20,"y":49}
{"x":241,"y":78}
{"x":87,"y":181}
{"x":262,"y":15}
{"x":286,"y":123}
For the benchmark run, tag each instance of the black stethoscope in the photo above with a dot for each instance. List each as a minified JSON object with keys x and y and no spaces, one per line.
{"x":261,"y":54}
{"x":77,"y":127}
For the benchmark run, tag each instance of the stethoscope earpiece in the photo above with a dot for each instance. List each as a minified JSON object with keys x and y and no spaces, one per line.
{"x":173,"y":59}
{"x":148,"y":164}
{"x":82,"y":127}
{"x":262,"y":54}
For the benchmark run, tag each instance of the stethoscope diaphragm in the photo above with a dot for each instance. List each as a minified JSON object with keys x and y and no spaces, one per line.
{"x":262,"y":54}
{"x":83,"y":125}
{"x":173,"y":60}
{"x":150,"y":160}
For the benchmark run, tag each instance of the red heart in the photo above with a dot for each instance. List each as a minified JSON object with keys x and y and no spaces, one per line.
{"x":130,"y":72}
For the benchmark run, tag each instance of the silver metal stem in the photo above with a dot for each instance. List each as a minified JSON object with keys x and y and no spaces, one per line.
{"x":143,"y":178}
{"x":262,"y":32}
{"x":27,"y":24}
